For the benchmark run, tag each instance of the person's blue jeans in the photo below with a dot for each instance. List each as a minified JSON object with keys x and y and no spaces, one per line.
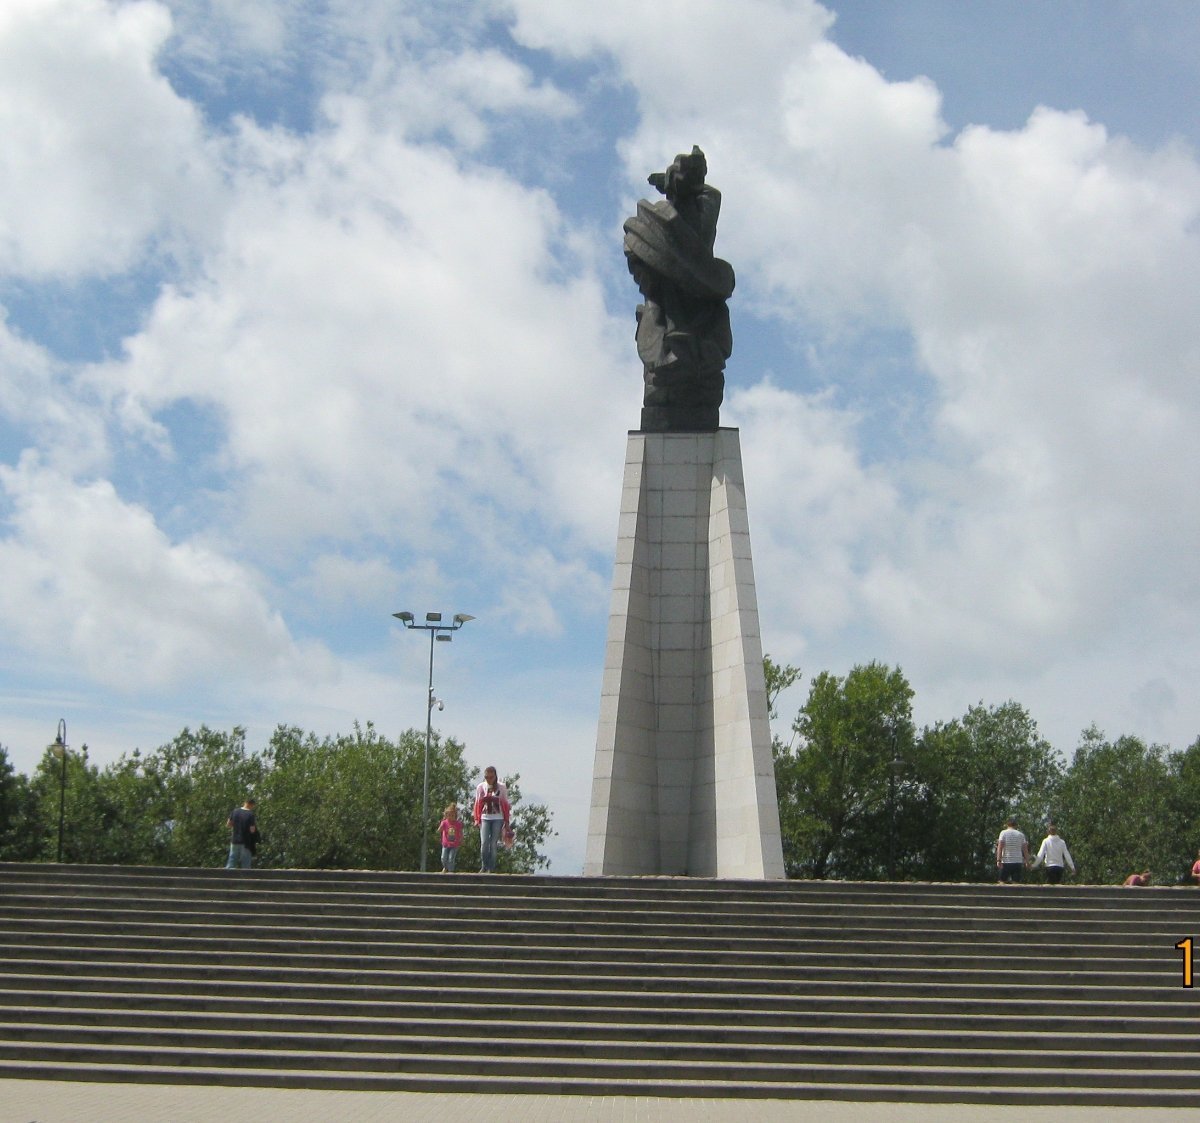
{"x":489,"y":839}
{"x":239,"y":857}
{"x":449,"y":857}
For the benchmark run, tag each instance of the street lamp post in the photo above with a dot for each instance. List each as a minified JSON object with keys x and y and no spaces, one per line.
{"x":60,"y":750}
{"x":895,"y":767}
{"x":444,"y":633}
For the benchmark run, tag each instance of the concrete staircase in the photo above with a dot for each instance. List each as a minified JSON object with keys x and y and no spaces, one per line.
{"x":601,"y":986}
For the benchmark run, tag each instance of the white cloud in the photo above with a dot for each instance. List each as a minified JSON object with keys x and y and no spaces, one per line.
{"x":36,"y":395}
{"x":413,"y":387}
{"x":92,"y":582}
{"x":458,"y":93}
{"x":100,"y":155}
{"x":216,"y":32}
{"x":815,"y":509}
{"x":391,"y":340}
{"x":1048,"y":278}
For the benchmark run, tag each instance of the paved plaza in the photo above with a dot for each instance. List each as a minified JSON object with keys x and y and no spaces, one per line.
{"x":41,"y":1101}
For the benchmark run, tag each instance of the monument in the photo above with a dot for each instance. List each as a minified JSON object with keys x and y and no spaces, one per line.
{"x":683,"y":781}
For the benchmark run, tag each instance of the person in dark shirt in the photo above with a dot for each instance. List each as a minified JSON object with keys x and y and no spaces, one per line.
{"x":243,"y":836}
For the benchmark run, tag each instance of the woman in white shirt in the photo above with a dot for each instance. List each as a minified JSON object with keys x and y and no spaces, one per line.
{"x":1055,"y":854}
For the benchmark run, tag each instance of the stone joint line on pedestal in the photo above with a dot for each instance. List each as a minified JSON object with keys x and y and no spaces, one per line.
{"x":684,"y":780}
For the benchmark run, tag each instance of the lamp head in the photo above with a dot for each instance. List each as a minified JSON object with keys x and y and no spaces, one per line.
{"x":461,"y":618}
{"x":403,"y":617}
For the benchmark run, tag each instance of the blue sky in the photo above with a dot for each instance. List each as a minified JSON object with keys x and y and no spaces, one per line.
{"x":310,"y":313}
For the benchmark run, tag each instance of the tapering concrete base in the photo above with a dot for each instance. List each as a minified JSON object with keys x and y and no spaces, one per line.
{"x":684,"y":782}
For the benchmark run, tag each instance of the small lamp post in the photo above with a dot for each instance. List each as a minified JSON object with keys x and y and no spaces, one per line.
{"x":896,"y":767}
{"x":60,"y":750}
{"x":443,"y":633}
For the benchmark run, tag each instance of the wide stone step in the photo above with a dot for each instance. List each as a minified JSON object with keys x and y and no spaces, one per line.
{"x":655,"y":889}
{"x":915,"y":939}
{"x":781,"y":968}
{"x":716,"y":994}
{"x":510,"y":1037}
{"x":464,"y":1041}
{"x":923,"y":1091}
{"x":1027,"y":1017}
{"x":809,"y":935}
{"x":811,"y":1066}
{"x":849,"y":978}
{"x":632,"y":985}
{"x":565,"y":886}
{"x":1143,"y":942}
{"x":395,"y":919}
{"x":1029,"y":1020}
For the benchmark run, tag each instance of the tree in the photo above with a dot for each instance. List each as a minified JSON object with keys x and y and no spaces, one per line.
{"x":80,"y":803}
{"x":18,"y":832}
{"x":348,"y":802}
{"x":838,"y":786}
{"x":340,"y":802}
{"x":188,"y":787}
{"x":1184,"y":805}
{"x":778,"y":678}
{"x":1114,"y":808}
{"x":971,"y":775}
{"x":355,"y":802}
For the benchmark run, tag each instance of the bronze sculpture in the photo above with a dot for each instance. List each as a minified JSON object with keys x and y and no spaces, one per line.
{"x":683,"y":333}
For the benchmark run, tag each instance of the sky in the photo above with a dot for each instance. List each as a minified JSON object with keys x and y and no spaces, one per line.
{"x":315,"y":312}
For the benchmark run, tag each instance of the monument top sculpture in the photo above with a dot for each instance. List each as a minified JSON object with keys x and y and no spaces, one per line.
{"x":683,"y":333}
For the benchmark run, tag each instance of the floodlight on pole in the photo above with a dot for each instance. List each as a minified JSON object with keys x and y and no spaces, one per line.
{"x":443,"y":632}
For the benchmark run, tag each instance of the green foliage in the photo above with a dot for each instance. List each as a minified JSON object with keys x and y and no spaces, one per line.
{"x":346,"y":802}
{"x":862,"y":797}
{"x":778,"y":678}
{"x":970,"y":776}
{"x":838,"y":796}
{"x":17,"y":814}
{"x":69,"y":788}
{"x":1118,"y":807}
{"x":171,"y":805}
{"x":1184,"y":805}
{"x":354,"y":802}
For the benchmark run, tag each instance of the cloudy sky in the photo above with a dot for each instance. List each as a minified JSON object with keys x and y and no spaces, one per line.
{"x":315,"y":311}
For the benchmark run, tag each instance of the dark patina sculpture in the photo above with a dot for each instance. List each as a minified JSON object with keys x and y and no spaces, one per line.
{"x":683,"y":333}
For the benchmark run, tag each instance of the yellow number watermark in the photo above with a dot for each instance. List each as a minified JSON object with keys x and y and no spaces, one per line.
{"x":1185,"y":946}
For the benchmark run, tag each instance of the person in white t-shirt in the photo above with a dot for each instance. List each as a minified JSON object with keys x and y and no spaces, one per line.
{"x":1054,"y":854}
{"x":1012,"y":853}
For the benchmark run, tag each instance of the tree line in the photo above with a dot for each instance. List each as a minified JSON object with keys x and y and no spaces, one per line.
{"x":864,"y":795}
{"x":345,"y":802}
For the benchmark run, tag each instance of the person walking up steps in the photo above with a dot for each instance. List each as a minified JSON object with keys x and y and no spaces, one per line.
{"x":1055,"y":854}
{"x":1012,"y":853}
{"x":243,"y":836}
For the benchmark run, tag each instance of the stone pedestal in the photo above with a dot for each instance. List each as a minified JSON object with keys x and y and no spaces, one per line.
{"x":684,"y":782}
